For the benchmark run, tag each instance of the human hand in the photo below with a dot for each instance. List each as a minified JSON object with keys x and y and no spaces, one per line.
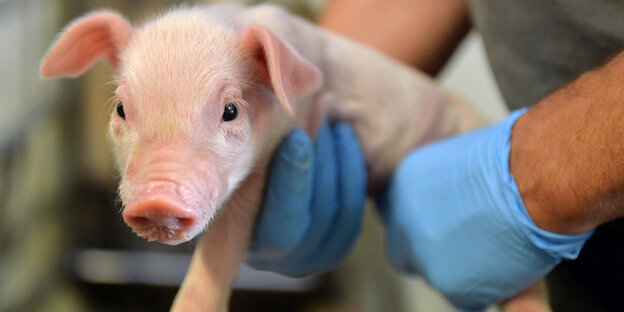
{"x":313,"y":205}
{"x":454,"y":214}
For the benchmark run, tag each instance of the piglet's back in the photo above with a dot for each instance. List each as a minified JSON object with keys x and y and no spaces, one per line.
{"x":392,"y":107}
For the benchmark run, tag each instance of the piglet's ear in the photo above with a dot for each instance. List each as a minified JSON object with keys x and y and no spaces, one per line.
{"x":278,"y":66}
{"x":87,"y":39}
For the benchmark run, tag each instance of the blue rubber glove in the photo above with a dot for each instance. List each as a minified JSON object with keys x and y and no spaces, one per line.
{"x":314,"y":203}
{"x":454,"y":214}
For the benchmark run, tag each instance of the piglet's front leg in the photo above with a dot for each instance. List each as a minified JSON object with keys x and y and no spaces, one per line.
{"x":204,"y":287}
{"x":223,"y":248}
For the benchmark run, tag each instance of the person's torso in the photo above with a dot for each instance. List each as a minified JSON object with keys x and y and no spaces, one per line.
{"x":536,"y":46}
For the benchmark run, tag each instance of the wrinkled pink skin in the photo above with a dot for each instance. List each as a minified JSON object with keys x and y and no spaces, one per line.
{"x":182,"y":166}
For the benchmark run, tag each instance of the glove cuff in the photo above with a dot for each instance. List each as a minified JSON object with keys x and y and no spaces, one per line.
{"x":555,"y":245}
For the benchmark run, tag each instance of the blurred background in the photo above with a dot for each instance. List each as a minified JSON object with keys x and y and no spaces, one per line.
{"x":63,"y":243}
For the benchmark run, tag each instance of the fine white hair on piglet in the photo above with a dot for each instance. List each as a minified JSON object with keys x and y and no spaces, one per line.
{"x":177,"y":52}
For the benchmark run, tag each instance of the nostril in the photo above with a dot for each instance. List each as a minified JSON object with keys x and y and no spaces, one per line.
{"x":137,"y":221}
{"x":186,"y":222}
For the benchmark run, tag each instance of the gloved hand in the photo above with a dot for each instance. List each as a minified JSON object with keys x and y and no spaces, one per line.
{"x":454,"y":214}
{"x":314,"y":203}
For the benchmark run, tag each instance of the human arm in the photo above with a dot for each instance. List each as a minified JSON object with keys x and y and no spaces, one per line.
{"x":421,"y":33}
{"x":566,"y":153}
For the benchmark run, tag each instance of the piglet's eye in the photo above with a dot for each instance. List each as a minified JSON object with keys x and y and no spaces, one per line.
{"x":230,"y":111}
{"x":120,"y":110}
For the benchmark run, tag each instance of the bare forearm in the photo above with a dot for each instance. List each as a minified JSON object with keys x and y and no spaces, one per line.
{"x":567,"y":153}
{"x":421,"y":33}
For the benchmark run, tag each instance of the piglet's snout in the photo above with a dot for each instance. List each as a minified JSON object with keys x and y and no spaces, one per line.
{"x":161,"y":217}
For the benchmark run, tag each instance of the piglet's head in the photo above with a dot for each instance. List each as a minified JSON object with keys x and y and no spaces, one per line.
{"x":194,"y":103}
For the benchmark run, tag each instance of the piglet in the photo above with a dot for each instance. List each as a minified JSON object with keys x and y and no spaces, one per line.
{"x":203,"y":97}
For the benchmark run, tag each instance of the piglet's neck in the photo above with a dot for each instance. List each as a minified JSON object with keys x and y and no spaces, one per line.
{"x":219,"y":254}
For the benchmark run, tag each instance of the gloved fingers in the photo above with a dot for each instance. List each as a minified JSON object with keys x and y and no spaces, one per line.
{"x":352,"y":194}
{"x":303,"y":259}
{"x":324,"y":202}
{"x":285,"y":216}
{"x":336,"y":206}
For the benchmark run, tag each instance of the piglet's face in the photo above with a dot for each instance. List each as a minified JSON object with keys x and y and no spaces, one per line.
{"x":179,"y":165}
{"x":181,"y":128}
{"x":174,"y":183}
{"x":190,"y":109}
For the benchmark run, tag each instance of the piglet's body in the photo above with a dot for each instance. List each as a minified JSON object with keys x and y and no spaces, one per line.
{"x":205,"y":95}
